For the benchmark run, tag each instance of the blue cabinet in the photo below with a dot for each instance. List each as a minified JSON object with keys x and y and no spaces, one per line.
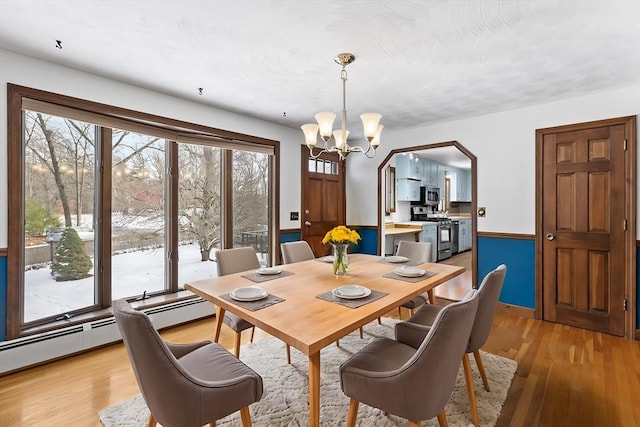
{"x":430,"y":173}
{"x":464,"y":185}
{"x":464,"y":235}
{"x":409,"y":166}
{"x":429,"y":233}
{"x":408,"y":190}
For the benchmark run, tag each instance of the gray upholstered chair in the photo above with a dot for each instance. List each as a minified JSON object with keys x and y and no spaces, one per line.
{"x":299,"y":251}
{"x":230,"y":261}
{"x":419,"y":252}
{"x":488,"y":294}
{"x":296,"y":252}
{"x":186,"y":385}
{"x":411,"y":383}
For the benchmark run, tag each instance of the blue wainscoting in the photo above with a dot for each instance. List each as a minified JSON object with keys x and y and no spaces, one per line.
{"x":637,"y":288}
{"x":520,"y":258}
{"x":289,"y":236}
{"x":517,"y":254}
{"x":3,"y":298}
{"x":368,"y":243}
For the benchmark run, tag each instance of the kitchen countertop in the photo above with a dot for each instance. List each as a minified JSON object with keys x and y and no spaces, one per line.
{"x":404,"y":228}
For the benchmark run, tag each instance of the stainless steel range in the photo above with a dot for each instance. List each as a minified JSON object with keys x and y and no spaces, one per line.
{"x":422,"y":213}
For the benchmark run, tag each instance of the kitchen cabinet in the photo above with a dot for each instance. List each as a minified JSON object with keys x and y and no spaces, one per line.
{"x":463,"y":186}
{"x":464,"y":235}
{"x":408,"y":190}
{"x":430,"y":234}
{"x":409,"y":166}
{"x":440,"y":180}
{"x":430,"y":173}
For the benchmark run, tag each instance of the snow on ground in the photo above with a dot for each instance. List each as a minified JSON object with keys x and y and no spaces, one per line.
{"x":132,"y":274}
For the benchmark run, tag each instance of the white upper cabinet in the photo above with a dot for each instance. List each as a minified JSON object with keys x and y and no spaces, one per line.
{"x":409,"y":166}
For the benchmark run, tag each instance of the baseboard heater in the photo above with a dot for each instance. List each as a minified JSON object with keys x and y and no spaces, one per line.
{"x":36,"y":349}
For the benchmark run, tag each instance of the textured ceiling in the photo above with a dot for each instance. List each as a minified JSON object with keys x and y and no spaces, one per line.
{"x":416,"y":61}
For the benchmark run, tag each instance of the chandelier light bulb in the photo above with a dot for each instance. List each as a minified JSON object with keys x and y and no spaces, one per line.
{"x":325,"y":124}
{"x":337,"y":136}
{"x":376,"y":139}
{"x":370,"y":124}
{"x":310,"y":134}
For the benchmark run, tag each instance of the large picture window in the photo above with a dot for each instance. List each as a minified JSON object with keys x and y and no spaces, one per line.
{"x":108,"y":203}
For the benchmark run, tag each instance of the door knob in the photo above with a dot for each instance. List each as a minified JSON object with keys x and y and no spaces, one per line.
{"x":307,"y":223}
{"x":306,"y":211}
{"x":550,"y":236}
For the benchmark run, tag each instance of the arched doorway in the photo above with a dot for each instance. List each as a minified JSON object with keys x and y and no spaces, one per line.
{"x":442,"y":154}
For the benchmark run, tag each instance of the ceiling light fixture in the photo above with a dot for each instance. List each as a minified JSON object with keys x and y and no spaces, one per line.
{"x":325,"y":120}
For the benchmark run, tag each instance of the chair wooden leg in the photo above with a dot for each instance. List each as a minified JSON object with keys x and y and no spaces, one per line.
{"x":152,"y":421}
{"x":237,"y":345}
{"x":399,"y":313}
{"x":288,"y":354}
{"x":253,"y":331}
{"x":353,"y":413}
{"x":212,"y":424}
{"x":472,"y":395}
{"x":245,"y":415}
{"x":442,"y":419}
{"x":411,"y":311}
{"x":414,"y":424}
{"x":219,"y":321}
{"x":337,"y":343}
{"x":476,"y":355}
{"x":379,"y":321}
{"x":361,"y":333}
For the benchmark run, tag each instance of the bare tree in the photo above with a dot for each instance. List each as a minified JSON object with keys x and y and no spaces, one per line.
{"x":199,"y":197}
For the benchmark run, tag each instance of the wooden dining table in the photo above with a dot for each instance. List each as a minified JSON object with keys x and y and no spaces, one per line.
{"x":309,"y":323}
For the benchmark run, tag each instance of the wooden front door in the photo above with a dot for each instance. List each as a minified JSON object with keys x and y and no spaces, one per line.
{"x":323,"y":201}
{"x":587,"y":224}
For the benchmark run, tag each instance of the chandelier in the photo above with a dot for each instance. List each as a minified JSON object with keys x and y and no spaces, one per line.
{"x":325,"y":120}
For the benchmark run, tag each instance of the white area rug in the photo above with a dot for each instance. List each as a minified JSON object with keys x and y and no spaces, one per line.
{"x":284,"y":402}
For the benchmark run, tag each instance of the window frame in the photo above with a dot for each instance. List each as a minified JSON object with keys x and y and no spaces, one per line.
{"x":183,"y":131}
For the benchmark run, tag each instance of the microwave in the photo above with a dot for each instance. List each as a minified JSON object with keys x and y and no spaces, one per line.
{"x":429,"y":196}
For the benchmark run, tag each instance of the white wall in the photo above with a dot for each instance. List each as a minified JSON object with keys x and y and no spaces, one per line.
{"x":504,"y":144}
{"x":26,"y":71}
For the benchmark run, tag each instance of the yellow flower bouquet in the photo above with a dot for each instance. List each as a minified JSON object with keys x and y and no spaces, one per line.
{"x":340,"y":238}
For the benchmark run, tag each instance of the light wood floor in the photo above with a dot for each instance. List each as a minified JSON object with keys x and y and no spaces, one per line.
{"x":566,"y":377}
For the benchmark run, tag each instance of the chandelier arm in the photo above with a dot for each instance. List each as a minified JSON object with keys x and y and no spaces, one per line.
{"x":366,"y":153}
{"x":315,"y":156}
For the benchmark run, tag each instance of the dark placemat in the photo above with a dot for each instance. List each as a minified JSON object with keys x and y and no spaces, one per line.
{"x":408,"y":262}
{"x":254,"y":305}
{"x":259,"y":278}
{"x":393,"y":275}
{"x":352,"y":303}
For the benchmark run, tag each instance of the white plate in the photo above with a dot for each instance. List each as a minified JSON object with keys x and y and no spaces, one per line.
{"x":268,"y":270}
{"x":351,"y":292}
{"x":410,"y":272}
{"x":396,"y":259}
{"x":328,"y":258}
{"x":249,"y":293}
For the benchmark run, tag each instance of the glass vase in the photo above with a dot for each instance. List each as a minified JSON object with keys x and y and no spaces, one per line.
{"x":340,"y":258}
